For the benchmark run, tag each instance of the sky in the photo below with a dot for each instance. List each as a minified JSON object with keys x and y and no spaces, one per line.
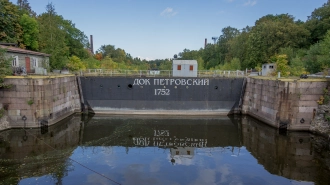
{"x":158,"y":29}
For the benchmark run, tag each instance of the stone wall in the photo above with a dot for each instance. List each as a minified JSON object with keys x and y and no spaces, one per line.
{"x":291,"y":104}
{"x":38,"y":99}
{"x":321,"y":122}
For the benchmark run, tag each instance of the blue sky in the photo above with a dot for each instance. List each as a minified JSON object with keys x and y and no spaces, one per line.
{"x":158,"y":29}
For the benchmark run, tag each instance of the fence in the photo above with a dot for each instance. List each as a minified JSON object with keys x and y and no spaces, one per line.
{"x":156,"y":73}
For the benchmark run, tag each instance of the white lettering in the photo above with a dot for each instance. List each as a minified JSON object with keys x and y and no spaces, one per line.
{"x":206,"y":82}
{"x":156,"y":81}
{"x":200,"y":81}
{"x":167,"y":81}
{"x":172,"y":80}
{"x":195,"y":82}
{"x":188,"y":81}
{"x":162,"y":82}
{"x":162,"y":92}
{"x":177,"y":82}
{"x":146,"y":81}
{"x":136,"y":82}
{"x":141,"y":81}
{"x":183,"y":82}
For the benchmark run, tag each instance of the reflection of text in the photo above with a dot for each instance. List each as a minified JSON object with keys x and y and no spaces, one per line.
{"x":161,"y":139}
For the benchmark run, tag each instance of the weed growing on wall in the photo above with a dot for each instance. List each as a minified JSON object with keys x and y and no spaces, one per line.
{"x":2,"y":112}
{"x":30,"y":102}
{"x":5,"y":69}
{"x":326,"y":96}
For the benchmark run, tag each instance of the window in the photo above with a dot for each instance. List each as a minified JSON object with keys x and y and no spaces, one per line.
{"x":191,"y":67}
{"x":15,"y":62}
{"x":188,"y":152}
{"x":179,"y":67}
{"x":271,"y":67}
{"x":34,"y":62}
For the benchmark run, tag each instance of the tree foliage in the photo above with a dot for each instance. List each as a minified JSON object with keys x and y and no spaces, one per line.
{"x":5,"y":67}
{"x":75,"y":64}
{"x":282,"y":65}
{"x":30,"y":30}
{"x":318,"y":22}
{"x":10,"y":29}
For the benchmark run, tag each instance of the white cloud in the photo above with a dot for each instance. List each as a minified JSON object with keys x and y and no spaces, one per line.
{"x":168,"y":12}
{"x":250,"y":3}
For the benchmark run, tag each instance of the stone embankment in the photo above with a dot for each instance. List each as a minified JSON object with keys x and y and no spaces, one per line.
{"x":321,"y":122}
{"x":41,"y":100}
{"x":288,"y":103}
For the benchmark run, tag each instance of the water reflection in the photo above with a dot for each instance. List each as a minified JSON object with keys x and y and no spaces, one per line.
{"x":38,"y":152}
{"x":162,"y":150}
{"x":294,"y":155}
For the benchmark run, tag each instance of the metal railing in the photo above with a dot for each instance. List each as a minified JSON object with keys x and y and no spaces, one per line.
{"x":156,"y":73}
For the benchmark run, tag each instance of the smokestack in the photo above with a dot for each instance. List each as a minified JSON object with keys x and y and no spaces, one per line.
{"x":205,"y":43}
{"x":91,"y":47}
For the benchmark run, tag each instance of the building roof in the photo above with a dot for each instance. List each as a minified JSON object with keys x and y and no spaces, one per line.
{"x":22,"y":51}
{"x":184,"y":62}
{"x":269,"y":64}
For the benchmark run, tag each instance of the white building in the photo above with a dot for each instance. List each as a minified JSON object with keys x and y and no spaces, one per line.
{"x":184,"y":68}
{"x":267,"y":69}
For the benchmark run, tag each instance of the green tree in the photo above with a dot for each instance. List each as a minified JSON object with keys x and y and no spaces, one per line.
{"x":282,"y":65}
{"x":25,"y":8}
{"x":75,"y":40}
{"x":52,"y":37}
{"x":92,"y":63}
{"x":228,"y":33}
{"x":10,"y":29}
{"x":210,"y":56}
{"x":30,"y":32}
{"x":319,"y":22}
{"x":312,"y":63}
{"x":272,"y":33}
{"x":75,"y":64}
{"x":238,"y":46}
{"x":297,"y":67}
{"x":166,"y":65}
{"x":5,"y":67}
{"x":107,"y":50}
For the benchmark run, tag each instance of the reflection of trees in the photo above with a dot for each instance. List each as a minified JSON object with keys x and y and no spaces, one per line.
{"x":294,"y":155}
{"x":32,"y":153}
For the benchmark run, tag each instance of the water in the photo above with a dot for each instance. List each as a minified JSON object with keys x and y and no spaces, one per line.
{"x":162,"y":150}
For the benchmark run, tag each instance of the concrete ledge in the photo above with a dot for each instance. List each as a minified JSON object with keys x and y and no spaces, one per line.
{"x":162,"y":112}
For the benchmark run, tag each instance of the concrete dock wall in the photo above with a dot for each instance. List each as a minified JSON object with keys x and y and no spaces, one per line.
{"x":38,"y":99}
{"x":283,"y":103}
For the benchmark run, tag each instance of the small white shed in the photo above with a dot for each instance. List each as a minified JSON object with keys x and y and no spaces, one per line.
{"x":267,"y":69}
{"x":184,"y":68}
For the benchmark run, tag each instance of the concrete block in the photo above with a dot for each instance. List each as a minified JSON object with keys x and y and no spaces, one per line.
{"x":5,"y":100}
{"x":313,"y":104}
{"x":309,"y":97}
{"x":310,"y":91}
{"x":27,"y":112}
{"x":14,"y":112}
{"x":306,"y":109}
